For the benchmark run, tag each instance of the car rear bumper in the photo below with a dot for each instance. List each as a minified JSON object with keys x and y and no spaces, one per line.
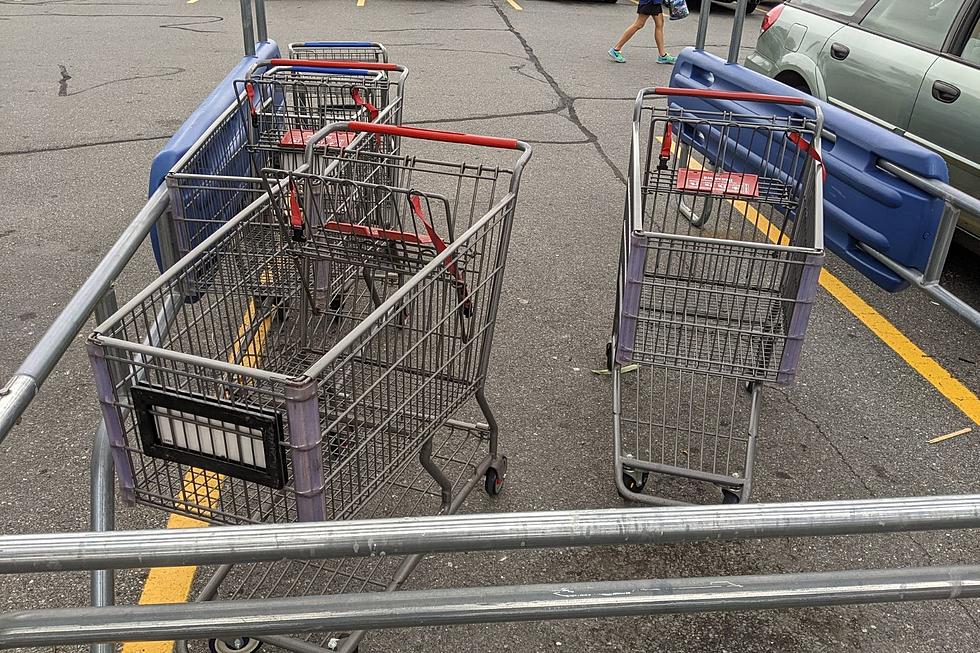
{"x":760,"y":64}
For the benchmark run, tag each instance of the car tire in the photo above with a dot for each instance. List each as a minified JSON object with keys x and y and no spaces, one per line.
{"x":795,"y":82}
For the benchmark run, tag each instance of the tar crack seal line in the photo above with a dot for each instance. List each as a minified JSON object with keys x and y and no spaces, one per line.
{"x":565,"y":101}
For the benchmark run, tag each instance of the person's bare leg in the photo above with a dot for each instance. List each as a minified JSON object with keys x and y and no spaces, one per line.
{"x":637,"y":25}
{"x":658,"y":34}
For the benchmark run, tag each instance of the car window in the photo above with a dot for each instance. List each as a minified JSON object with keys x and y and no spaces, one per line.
{"x":922,"y":22}
{"x":971,"y":51}
{"x":844,"y":7}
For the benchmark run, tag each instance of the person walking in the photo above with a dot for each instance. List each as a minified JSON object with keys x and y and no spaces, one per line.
{"x":644,"y":10}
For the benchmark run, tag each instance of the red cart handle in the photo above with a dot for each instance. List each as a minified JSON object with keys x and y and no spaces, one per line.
{"x":435,"y":135}
{"x":731,"y":95}
{"x":326,"y":63}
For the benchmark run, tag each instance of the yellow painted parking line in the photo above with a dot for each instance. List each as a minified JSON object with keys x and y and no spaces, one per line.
{"x":515,"y":5}
{"x":166,"y":585}
{"x":200,"y":491}
{"x":947,"y":384}
{"x":926,"y":366}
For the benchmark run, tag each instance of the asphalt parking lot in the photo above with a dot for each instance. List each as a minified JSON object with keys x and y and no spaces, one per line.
{"x":94,"y":89}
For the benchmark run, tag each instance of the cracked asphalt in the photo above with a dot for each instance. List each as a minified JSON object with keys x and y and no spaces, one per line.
{"x":93,"y":89}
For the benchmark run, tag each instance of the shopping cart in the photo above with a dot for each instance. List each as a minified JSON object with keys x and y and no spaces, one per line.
{"x":319,"y":358}
{"x":722,"y":248}
{"x":290,"y":99}
{"x":336,"y":50}
{"x":220,"y":175}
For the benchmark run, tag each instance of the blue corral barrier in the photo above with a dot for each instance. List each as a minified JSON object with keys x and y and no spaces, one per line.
{"x":213,"y":106}
{"x":862,"y":203}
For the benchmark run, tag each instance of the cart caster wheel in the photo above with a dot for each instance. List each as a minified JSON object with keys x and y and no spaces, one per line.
{"x":730,"y":496}
{"x":237,"y":645}
{"x":634,"y":482}
{"x":493,"y":483}
{"x":334,"y":644}
{"x":609,"y":356}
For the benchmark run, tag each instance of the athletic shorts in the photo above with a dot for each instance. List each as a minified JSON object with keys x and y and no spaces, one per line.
{"x":650,"y":9}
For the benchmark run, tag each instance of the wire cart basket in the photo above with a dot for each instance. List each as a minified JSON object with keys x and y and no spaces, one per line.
{"x":337,"y":50}
{"x":306,"y":364}
{"x":290,"y":99}
{"x":268,"y":127}
{"x":721,"y":254}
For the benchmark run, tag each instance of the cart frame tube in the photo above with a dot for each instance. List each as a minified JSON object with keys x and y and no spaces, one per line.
{"x":20,"y":390}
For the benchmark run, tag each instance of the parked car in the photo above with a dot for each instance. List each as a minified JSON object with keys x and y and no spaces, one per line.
{"x":911,"y":65}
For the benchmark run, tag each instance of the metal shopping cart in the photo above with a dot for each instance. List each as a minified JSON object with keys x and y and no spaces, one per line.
{"x":338,"y":327}
{"x":290,"y":99}
{"x":268,"y":126}
{"x":335,"y":50}
{"x":722,"y":248}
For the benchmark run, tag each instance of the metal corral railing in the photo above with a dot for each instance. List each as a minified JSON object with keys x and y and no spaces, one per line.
{"x":483,"y":532}
{"x":106,"y":551}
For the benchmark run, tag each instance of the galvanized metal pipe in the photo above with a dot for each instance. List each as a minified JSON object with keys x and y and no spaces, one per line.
{"x":480,"y":532}
{"x":934,"y":187}
{"x":102,"y":582}
{"x":261,"y":26}
{"x":964,"y":311}
{"x":704,"y":13}
{"x":736,"y":43}
{"x":248,"y":28}
{"x":940,"y":245}
{"x":374,"y":610}
{"x":19,"y":391}
{"x":929,"y":280}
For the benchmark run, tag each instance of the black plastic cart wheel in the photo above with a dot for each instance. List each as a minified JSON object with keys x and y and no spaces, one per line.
{"x":635,"y":482}
{"x":493,"y":483}
{"x":730,"y":496}
{"x":236,"y":645}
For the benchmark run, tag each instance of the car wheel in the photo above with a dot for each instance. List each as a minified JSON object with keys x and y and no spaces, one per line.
{"x":752,"y":6}
{"x":794,"y":81}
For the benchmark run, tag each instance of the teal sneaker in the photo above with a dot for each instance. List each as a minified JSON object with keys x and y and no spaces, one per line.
{"x":617,"y":55}
{"x":667,"y":58}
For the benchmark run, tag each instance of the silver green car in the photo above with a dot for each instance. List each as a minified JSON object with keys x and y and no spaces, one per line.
{"x":911,"y":65}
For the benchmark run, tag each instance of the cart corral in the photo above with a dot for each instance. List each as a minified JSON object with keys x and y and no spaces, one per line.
{"x":310,"y":365}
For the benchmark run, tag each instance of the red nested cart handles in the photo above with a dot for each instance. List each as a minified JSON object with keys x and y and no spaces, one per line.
{"x":328,"y":63}
{"x":296,"y":215}
{"x":440,"y":246}
{"x":359,"y":100}
{"x":731,"y":95}
{"x":666,"y":146}
{"x":435,"y":135}
{"x":805,"y":146}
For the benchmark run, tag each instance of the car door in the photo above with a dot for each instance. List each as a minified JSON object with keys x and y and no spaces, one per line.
{"x":878,"y":65}
{"x":946,"y":116}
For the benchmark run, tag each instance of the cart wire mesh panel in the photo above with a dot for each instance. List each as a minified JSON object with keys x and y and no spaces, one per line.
{"x":269,"y":127}
{"x":725,"y":243}
{"x":306,"y":371}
